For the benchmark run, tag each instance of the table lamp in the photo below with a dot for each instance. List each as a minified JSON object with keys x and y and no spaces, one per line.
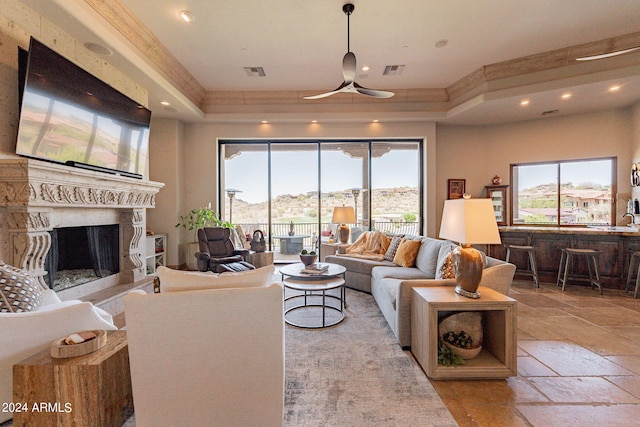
{"x":467,"y":222}
{"x":343,"y":215}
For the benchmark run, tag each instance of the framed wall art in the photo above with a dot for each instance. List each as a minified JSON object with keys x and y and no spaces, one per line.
{"x":455,"y":188}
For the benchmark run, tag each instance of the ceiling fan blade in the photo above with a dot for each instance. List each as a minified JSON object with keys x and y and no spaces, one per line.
{"x":373,"y":92}
{"x":333,"y":92}
{"x":349,"y":67}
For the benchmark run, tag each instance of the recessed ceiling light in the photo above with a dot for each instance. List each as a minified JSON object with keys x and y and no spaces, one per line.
{"x":524,"y":102}
{"x":314,"y":121}
{"x":186,"y":16}
{"x":365,"y":68}
{"x":376,"y":121}
{"x":165,"y":103}
{"x":615,"y":88}
{"x":98,"y":49}
{"x":566,"y":95}
{"x":264,"y":122}
{"x":441,"y":43}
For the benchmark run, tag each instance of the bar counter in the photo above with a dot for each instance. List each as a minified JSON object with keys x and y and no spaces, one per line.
{"x":616,"y":244}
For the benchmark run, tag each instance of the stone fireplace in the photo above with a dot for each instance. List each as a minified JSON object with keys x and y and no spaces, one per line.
{"x":37,"y":197}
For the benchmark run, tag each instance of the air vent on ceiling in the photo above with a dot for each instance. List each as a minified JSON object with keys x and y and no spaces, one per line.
{"x":393,"y":70}
{"x":254,"y":71}
{"x":549,"y":112}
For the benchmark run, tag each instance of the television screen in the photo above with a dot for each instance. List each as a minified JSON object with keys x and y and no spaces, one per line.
{"x":69,"y":116}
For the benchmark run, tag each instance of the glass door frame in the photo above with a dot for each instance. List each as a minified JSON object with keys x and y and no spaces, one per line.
{"x":318,"y":143}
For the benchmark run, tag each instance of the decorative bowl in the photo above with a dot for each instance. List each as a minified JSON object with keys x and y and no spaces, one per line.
{"x":469,"y":322}
{"x":465,"y":353}
{"x":308,"y":259}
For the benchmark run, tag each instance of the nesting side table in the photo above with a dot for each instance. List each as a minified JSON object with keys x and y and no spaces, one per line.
{"x":498,"y":358}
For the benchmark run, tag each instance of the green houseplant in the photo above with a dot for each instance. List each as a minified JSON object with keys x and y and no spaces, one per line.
{"x":199,"y":218}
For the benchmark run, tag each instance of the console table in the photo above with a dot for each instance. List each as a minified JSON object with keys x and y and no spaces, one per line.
{"x":89,"y":390}
{"x":498,"y":358}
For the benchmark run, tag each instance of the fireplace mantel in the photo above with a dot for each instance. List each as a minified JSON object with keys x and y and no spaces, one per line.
{"x":37,"y":196}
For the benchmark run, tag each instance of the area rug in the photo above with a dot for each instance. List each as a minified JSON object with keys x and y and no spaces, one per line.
{"x":356,"y":374}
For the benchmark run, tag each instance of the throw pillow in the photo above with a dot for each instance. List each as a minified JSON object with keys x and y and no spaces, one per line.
{"x":19,"y":292}
{"x":446,"y":270}
{"x":180,"y":280}
{"x":385,"y":241}
{"x":393,"y":247}
{"x":407,"y":252}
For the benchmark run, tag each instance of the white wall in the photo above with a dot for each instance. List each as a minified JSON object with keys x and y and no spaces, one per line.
{"x":478,"y":153}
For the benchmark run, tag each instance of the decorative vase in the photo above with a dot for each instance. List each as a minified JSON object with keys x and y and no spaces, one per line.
{"x":292,"y":230}
{"x":496,"y":180}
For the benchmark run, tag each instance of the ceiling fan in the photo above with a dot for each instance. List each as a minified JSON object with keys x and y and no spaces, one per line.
{"x":349,"y":71}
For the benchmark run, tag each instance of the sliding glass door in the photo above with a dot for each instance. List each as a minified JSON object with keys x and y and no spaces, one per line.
{"x":289,"y":189}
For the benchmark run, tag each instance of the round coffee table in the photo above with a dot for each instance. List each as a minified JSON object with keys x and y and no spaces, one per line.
{"x":313,"y":287}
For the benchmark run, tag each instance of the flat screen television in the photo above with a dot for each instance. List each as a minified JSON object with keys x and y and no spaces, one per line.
{"x":69,"y":116}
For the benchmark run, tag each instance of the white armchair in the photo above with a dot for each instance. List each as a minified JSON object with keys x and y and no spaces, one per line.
{"x":207,"y":357}
{"x":24,"y":334}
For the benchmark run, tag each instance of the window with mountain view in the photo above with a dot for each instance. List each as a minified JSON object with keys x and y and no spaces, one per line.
{"x":576,"y":192}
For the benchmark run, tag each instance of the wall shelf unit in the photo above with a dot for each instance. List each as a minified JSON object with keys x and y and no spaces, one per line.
{"x":155,"y":254}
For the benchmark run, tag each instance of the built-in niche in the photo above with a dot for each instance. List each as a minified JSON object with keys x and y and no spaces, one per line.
{"x":80,"y":255}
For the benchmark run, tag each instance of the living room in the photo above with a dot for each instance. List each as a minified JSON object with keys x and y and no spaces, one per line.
{"x":457,"y":143}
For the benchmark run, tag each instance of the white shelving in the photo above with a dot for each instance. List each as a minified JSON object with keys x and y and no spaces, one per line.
{"x":155,"y":254}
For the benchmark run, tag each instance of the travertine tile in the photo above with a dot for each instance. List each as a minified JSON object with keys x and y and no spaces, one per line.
{"x":581,"y":390}
{"x":631,"y":363}
{"x":531,"y":367}
{"x":581,"y":415}
{"x":607,"y":316}
{"x":629,"y":384}
{"x":569,"y":359}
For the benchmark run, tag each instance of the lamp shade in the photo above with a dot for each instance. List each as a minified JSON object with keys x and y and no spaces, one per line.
{"x":343,"y":215}
{"x":469,"y":221}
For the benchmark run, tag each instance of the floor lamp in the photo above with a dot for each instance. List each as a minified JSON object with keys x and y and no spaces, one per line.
{"x":469,"y":222}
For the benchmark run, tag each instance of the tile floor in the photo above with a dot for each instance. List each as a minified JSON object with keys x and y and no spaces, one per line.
{"x":578,"y":364}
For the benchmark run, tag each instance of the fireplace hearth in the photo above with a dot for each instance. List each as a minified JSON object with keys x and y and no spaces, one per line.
{"x":37,"y":197}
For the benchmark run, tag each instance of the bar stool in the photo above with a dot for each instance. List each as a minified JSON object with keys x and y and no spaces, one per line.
{"x":633,"y":264}
{"x":531,"y":251}
{"x":592,"y":257}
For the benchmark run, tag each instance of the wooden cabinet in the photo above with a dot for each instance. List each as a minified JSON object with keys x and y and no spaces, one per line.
{"x":498,"y":358}
{"x":155,"y":253}
{"x":498,"y":196}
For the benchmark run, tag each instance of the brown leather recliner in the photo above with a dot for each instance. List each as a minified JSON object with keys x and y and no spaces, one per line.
{"x":217,"y":252}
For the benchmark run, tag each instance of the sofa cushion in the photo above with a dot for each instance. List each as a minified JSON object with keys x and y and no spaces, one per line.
{"x":427,"y":259}
{"x":358,"y":265}
{"x":406,"y":254}
{"x":381,"y":272}
{"x":19,"y":292}
{"x":393,"y":247}
{"x":180,"y":280}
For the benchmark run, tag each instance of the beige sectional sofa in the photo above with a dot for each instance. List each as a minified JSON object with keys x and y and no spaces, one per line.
{"x":391,"y":284}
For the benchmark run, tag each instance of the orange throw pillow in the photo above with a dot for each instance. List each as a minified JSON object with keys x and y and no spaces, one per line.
{"x":407,"y":253}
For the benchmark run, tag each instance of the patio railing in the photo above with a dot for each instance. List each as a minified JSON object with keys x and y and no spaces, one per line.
{"x":311,"y":230}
